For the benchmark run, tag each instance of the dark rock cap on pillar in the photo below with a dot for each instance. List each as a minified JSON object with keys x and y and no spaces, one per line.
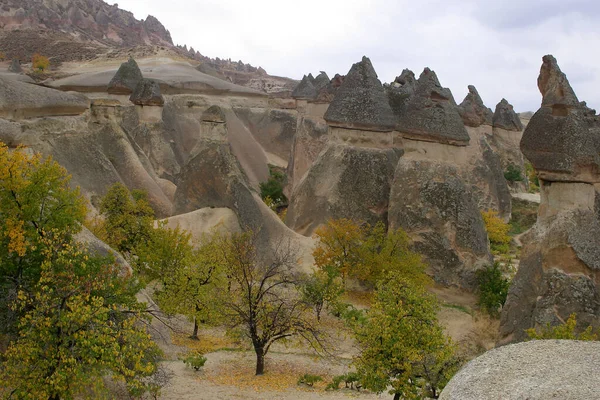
{"x":472,"y":110}
{"x":147,"y":93}
{"x":558,"y":140}
{"x":505,"y":117}
{"x":432,"y":114}
{"x":305,"y":90}
{"x":126,"y":79}
{"x":360,"y":102}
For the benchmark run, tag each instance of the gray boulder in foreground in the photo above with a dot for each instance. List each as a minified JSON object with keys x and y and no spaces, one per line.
{"x":536,"y":370}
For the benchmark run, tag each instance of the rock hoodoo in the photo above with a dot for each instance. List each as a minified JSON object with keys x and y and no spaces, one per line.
{"x":126,"y":79}
{"x":505,"y":117}
{"x":360,"y":102}
{"x":472,"y":110}
{"x":15,"y":66}
{"x":306,"y":89}
{"x":400,"y":91}
{"x":432,"y":114}
{"x":147,"y":93}
{"x":558,"y":274}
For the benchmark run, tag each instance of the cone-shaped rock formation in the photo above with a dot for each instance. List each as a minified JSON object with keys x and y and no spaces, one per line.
{"x":126,"y":79}
{"x":472,"y":110}
{"x":505,"y":117}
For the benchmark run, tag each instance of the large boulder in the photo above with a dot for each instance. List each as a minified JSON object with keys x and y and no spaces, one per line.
{"x":472,"y":110}
{"x":505,"y":117}
{"x":536,"y":370}
{"x":126,"y":79}
{"x":430,"y":201}
{"x":20,"y":100}
{"x":15,"y":66}
{"x":432,"y":114}
{"x":147,"y":93}
{"x":360,"y":102}
{"x":344,"y":182}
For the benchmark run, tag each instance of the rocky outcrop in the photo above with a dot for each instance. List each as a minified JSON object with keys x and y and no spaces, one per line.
{"x":558,"y":273}
{"x":310,"y":139}
{"x":126,"y":79}
{"x":400,"y":91}
{"x":472,"y":110}
{"x":505,"y":117}
{"x":344,"y":182}
{"x":147,"y":93}
{"x":20,"y":100}
{"x":536,"y":370}
{"x":431,"y":113}
{"x":433,"y":205}
{"x":360,"y":102}
{"x":15,"y":66}
{"x":213,"y":114}
{"x":305,"y":90}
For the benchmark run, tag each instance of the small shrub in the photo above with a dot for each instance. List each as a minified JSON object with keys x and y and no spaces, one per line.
{"x":493,"y":289}
{"x":309,"y":379}
{"x":566,"y":331}
{"x":497,"y":231}
{"x":534,"y":182}
{"x":335,"y":383}
{"x":40,"y":63}
{"x":2,"y":56}
{"x":273,"y":188}
{"x":513,"y":173}
{"x":351,"y":380}
{"x":195,"y":361}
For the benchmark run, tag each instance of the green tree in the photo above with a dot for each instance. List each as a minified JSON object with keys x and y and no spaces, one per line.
{"x":36,"y":204}
{"x":273,"y":187}
{"x":129,"y":219}
{"x":80,"y":323}
{"x":513,"y":173}
{"x":322,"y":289}
{"x":402,"y":344}
{"x":263,"y":301}
{"x":493,"y":288}
{"x":189,"y":277}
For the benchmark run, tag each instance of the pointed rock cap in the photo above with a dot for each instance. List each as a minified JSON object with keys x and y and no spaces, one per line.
{"x":360,"y":102}
{"x":305,"y":89}
{"x":472,"y":110}
{"x":554,"y":86}
{"x":561,"y":140}
{"x":147,"y":93}
{"x":431,"y":114}
{"x":505,"y":117}
{"x":400,"y":91}
{"x":213,"y":114}
{"x":15,"y":66}
{"x":321,"y":81}
{"x":126,"y":79}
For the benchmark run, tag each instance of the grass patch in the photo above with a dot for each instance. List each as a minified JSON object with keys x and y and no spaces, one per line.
{"x":458,"y":307}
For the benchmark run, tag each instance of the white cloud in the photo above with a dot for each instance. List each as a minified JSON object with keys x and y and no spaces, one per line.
{"x":496,"y":47}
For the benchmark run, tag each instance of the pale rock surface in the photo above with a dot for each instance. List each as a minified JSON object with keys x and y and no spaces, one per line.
{"x":536,"y":370}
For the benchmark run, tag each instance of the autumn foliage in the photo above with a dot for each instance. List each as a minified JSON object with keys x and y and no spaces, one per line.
{"x":39,"y":62}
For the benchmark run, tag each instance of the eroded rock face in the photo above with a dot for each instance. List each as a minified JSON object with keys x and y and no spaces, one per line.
{"x":360,"y":102}
{"x":560,"y":261}
{"x":20,"y":100}
{"x":432,"y":114}
{"x":505,"y":117}
{"x":147,"y":93}
{"x":536,"y":370}
{"x":472,"y":110}
{"x":126,"y":79}
{"x":400,"y":91}
{"x":433,"y":205}
{"x":344,"y":182}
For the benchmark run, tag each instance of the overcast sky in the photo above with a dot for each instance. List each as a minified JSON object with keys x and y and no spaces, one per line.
{"x":495,"y":45}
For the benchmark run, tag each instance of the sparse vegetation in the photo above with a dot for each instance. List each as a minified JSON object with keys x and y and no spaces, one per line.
{"x":523,"y":216}
{"x":493,"y":289}
{"x":309,"y":379}
{"x":497,"y":231}
{"x":567,"y":330}
{"x":40,"y":63}
{"x":513,"y":173}
{"x":195,"y":361}
{"x":534,"y":182}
